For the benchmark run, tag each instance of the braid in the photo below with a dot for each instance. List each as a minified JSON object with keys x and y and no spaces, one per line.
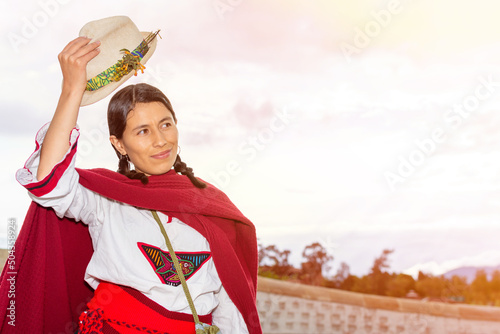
{"x":181,"y":167}
{"x":124,"y":168}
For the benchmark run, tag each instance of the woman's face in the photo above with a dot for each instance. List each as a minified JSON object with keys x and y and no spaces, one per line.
{"x":150,"y":138}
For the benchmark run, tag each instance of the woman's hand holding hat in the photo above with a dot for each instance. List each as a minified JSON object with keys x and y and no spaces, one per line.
{"x":73,"y":60}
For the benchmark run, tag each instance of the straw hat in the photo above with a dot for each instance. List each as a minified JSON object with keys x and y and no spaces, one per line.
{"x":113,"y":66}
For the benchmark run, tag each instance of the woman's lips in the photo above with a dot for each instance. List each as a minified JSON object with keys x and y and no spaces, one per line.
{"x":162,"y":155}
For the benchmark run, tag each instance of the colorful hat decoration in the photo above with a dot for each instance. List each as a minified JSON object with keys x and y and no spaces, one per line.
{"x":124,"y":51}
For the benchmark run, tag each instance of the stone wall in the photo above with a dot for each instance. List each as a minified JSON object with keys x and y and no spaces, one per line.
{"x":296,"y":308}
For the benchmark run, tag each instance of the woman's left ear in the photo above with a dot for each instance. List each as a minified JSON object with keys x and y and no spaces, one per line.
{"x":117,"y":144}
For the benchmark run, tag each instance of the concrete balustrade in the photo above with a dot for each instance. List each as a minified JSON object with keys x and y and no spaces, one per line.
{"x":289,"y":308}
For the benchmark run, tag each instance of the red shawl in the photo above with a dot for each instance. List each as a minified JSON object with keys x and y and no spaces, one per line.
{"x":51,"y":254}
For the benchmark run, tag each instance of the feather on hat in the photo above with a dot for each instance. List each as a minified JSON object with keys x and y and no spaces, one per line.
{"x":124,"y":51}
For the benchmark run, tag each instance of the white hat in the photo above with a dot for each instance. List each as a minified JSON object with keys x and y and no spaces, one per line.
{"x":113,"y":65}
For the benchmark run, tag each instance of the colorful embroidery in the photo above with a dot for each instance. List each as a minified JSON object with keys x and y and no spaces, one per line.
{"x":141,"y":329}
{"x":130,"y":61}
{"x":91,"y":322}
{"x":164,"y":266}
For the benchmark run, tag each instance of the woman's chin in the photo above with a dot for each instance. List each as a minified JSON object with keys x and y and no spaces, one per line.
{"x":160,"y":170}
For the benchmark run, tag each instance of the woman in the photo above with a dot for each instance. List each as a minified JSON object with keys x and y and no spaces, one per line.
{"x":137,"y":286}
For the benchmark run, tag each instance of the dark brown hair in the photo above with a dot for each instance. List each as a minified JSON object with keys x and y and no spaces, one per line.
{"x":119,"y":107}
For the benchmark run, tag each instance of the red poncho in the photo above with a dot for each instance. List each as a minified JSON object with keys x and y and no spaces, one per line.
{"x":44,"y":291}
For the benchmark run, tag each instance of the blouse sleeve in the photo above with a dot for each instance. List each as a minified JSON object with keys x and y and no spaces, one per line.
{"x":60,"y":189}
{"x":227,"y":317}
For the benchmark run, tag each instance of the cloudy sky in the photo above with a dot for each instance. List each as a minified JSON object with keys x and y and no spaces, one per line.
{"x":360,"y":124}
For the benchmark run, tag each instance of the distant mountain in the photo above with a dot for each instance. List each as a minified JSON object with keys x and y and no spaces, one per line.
{"x":470,"y":272}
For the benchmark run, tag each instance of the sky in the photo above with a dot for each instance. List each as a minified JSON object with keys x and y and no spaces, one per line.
{"x":363,"y":125}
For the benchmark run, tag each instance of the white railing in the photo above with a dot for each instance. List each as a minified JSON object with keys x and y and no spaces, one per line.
{"x":289,"y":308}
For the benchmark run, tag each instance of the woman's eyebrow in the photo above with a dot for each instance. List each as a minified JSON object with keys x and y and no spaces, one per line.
{"x":168,"y":118}
{"x":140,"y":127}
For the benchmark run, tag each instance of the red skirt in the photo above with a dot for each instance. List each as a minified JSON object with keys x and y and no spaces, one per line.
{"x":118,"y":309}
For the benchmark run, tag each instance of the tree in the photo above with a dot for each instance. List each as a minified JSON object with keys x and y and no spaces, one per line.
{"x":480,"y":288}
{"x":381,"y":262}
{"x":317,"y":262}
{"x":422,"y":276}
{"x":399,"y":285}
{"x":457,"y":288}
{"x":429,"y":286}
{"x":273,"y":262}
{"x":342,"y":275}
{"x":495,"y":288}
{"x":378,"y":278}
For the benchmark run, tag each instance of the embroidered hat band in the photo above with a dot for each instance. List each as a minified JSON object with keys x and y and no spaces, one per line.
{"x":131,"y":61}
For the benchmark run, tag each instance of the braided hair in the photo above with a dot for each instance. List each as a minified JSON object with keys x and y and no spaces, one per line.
{"x":118,"y":109}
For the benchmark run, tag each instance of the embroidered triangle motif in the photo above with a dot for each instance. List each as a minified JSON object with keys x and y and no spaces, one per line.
{"x":164,"y":266}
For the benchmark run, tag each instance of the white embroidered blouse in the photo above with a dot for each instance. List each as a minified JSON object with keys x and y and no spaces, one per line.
{"x":129,"y":248}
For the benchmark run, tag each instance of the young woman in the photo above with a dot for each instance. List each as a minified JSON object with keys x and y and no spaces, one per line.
{"x":137,"y":288}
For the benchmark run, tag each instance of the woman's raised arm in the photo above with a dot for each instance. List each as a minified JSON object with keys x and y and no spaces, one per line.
{"x":73,"y":60}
